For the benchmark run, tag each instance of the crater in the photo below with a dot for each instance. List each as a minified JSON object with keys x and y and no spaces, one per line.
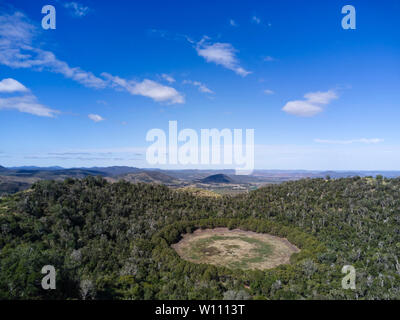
{"x":235,"y":249}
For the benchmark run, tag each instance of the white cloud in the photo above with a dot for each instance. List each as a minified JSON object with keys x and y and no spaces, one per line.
{"x":27,"y":104}
{"x":301,"y":108}
{"x":157,"y":92}
{"x":78,"y":10}
{"x":321,"y":97}
{"x":17,"y":51}
{"x":201,"y":86}
{"x":362,"y":140}
{"x":223,"y":54}
{"x":256,"y":20}
{"x":268,"y":91}
{"x":146,"y":88}
{"x":312,"y":105}
{"x":16,"y":27}
{"x":95,"y":117}
{"x":10,"y":85}
{"x":168,"y":78}
{"x":233,"y":23}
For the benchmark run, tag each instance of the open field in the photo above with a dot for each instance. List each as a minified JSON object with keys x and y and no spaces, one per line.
{"x":235,"y":249}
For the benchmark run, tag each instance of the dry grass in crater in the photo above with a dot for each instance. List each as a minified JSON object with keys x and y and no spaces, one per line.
{"x":235,"y":248}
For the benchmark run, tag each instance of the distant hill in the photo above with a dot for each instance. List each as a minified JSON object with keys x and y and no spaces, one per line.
{"x":13,"y":179}
{"x":9,"y":186}
{"x":149,"y":177}
{"x":54,"y":174}
{"x":217,"y":178}
{"x":37,"y":168}
{"x":115,"y":170}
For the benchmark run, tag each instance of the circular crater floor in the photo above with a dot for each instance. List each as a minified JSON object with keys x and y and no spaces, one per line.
{"x":235,"y":249}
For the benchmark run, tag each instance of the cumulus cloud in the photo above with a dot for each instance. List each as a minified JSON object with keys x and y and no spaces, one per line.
{"x":321,"y":97}
{"x":17,"y":51}
{"x":362,"y":140}
{"x":223,"y":54}
{"x":77,"y":9}
{"x":302,"y":108}
{"x":168,"y":78}
{"x":268,"y":92}
{"x":27,"y":104}
{"x":147,"y":88}
{"x":312,"y":105}
{"x":201,"y":86}
{"x":11,"y":85}
{"x":95,"y":117}
{"x":157,"y":92}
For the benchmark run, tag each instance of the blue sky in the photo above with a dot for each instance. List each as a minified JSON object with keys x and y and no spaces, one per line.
{"x":85,"y":94}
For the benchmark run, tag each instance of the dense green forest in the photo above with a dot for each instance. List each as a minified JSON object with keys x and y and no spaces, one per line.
{"x":112,"y":240}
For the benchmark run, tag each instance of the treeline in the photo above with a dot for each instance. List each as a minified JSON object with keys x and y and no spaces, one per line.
{"x":112,"y":240}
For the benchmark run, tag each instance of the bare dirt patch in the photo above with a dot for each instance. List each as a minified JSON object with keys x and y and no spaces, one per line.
{"x":235,"y":248}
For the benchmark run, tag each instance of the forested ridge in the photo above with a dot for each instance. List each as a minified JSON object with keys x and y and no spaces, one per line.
{"x":112,"y":240}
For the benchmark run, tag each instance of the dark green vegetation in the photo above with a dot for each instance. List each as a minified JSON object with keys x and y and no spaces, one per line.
{"x":10,"y":186}
{"x":217,"y":178}
{"x":112,"y":240}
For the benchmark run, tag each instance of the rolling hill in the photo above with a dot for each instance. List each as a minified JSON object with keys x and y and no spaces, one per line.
{"x":217,"y":178}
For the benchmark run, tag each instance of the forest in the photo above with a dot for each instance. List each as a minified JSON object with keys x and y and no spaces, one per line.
{"x":113,"y":240}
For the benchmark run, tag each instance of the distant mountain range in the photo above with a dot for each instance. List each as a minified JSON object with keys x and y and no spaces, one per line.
{"x":35,"y":168}
{"x":15,"y":179}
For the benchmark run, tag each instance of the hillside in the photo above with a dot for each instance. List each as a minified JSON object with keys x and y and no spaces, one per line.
{"x":113,"y":240}
{"x":217,"y":178}
{"x":10,"y":185}
{"x":149,"y":177}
